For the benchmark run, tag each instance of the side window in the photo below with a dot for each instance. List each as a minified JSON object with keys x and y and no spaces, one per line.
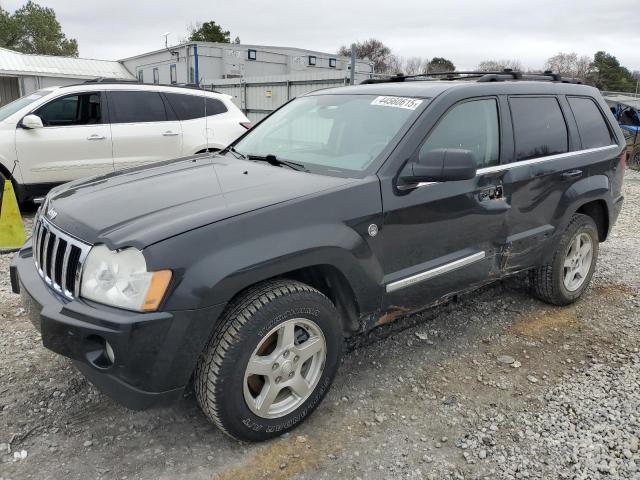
{"x":136,"y":107}
{"x":188,"y":107}
{"x":471,"y":126}
{"x":156,"y":76}
{"x":538,"y":127}
{"x":173,"y":74}
{"x":591,"y":125}
{"x":80,"y":109}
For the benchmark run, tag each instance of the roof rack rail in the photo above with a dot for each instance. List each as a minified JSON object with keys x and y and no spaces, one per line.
{"x":497,"y":76}
{"x":110,"y":80}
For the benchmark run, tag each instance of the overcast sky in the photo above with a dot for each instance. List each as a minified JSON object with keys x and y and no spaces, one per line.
{"x":464,"y":31}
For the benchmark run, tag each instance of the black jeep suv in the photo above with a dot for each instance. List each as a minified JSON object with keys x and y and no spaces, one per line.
{"x":343,"y":210}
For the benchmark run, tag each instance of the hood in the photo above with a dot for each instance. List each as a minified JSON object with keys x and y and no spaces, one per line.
{"x":142,"y":206}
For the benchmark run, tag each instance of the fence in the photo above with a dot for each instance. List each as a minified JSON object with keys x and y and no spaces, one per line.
{"x":259,"y":96}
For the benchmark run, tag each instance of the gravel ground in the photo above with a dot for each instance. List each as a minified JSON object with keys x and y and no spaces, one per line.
{"x":497,"y":385}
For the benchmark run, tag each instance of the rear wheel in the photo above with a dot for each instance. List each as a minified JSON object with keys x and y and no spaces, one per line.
{"x":563,"y":280}
{"x":271,"y":360}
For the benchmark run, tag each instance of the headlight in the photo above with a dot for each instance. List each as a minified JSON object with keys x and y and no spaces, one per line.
{"x":120,"y":278}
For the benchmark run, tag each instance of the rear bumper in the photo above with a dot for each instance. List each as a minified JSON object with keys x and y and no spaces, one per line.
{"x":154,"y":353}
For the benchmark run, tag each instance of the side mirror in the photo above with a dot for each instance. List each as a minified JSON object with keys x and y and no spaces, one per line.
{"x":440,"y":165}
{"x":31,"y":121}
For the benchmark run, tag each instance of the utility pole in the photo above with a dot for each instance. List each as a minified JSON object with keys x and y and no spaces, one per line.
{"x":353,"y":64}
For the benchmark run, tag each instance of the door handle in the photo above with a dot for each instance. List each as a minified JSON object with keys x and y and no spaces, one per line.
{"x":169,"y":133}
{"x":492,"y":193}
{"x":95,"y":136}
{"x":571,"y":175}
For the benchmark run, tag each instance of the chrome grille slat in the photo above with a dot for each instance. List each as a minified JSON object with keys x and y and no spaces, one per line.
{"x":65,"y":266}
{"x":45,"y":254}
{"x":48,"y":245}
{"x":54,"y":254}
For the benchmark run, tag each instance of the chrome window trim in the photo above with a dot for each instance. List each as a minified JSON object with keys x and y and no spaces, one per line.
{"x":533,"y":161}
{"x":522,"y":163}
{"x":434,"y":272}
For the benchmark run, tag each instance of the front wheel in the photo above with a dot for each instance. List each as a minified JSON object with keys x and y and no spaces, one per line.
{"x":563,"y":280}
{"x":271,"y":360}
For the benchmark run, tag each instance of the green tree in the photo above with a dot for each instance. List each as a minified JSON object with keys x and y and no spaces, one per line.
{"x":209,"y":32}
{"x":608,"y":74}
{"x":440,"y":64}
{"x":35,"y":29}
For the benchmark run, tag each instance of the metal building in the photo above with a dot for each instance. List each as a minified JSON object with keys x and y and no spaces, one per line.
{"x":21,"y":74}
{"x":206,"y":62}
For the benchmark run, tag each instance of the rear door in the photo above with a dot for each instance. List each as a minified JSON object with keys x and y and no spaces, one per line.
{"x":75,"y":141}
{"x":548,"y":161}
{"x":204,"y":120}
{"x":144,"y":128}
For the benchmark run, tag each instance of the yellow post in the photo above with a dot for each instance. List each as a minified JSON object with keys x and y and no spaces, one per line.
{"x":12,"y":234}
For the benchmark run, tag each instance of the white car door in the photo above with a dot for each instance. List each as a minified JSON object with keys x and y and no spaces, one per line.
{"x":144,"y":129}
{"x":218,"y":129}
{"x":74,"y":142}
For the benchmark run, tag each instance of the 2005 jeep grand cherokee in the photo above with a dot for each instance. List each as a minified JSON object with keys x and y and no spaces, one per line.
{"x":243,"y":271}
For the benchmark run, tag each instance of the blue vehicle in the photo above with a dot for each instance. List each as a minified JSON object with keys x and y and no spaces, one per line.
{"x":626,"y":110}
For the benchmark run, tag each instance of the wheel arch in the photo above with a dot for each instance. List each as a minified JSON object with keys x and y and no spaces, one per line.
{"x":598,"y":211}
{"x":588,"y":197}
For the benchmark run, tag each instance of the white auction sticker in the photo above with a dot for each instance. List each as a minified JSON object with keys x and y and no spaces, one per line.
{"x":398,"y":102}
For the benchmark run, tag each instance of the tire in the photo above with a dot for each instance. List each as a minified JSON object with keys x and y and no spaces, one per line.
{"x":258,"y":326}
{"x":549,"y":282}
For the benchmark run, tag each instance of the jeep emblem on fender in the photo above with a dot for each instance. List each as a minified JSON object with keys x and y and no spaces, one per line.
{"x":51,"y":213}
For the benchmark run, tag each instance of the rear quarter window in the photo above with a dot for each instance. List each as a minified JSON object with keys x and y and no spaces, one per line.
{"x":539,"y":128}
{"x":188,"y":107}
{"x":592,"y":126}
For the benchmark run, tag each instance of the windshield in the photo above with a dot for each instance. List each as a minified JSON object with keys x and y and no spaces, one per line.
{"x":342,"y":133}
{"x":20,"y":103}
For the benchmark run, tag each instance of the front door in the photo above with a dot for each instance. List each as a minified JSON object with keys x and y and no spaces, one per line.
{"x":75,"y":141}
{"x":144,"y":128}
{"x":440,"y":238}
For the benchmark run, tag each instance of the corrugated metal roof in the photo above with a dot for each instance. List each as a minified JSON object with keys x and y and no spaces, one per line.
{"x":628,"y":100}
{"x":16,"y":63}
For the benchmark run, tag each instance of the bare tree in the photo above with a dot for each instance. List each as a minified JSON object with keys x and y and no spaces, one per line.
{"x":371,"y":49}
{"x":570,"y":65}
{"x":415,"y":65}
{"x":499,"y":65}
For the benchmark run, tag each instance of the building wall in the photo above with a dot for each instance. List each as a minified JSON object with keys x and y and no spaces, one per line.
{"x":216,"y":61}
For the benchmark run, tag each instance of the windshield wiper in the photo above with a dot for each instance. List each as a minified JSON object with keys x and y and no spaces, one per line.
{"x":273,"y":160}
{"x":235,"y":153}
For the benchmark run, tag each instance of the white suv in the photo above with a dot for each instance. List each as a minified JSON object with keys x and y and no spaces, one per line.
{"x":59,"y":134}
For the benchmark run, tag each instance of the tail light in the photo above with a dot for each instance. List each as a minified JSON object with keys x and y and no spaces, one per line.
{"x":246,"y":125}
{"x":624,"y":161}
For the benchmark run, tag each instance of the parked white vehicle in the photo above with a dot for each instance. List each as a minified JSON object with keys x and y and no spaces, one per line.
{"x":60,"y":134}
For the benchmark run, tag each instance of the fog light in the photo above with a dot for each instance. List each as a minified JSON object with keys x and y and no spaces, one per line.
{"x":109,"y":351}
{"x":99,"y":352}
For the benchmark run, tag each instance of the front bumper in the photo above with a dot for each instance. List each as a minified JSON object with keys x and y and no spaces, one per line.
{"x":155,"y":353}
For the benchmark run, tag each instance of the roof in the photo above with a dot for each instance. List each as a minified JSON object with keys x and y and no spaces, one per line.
{"x":628,"y":100}
{"x":432,"y":88}
{"x":16,"y":63}
{"x":273,"y":48}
